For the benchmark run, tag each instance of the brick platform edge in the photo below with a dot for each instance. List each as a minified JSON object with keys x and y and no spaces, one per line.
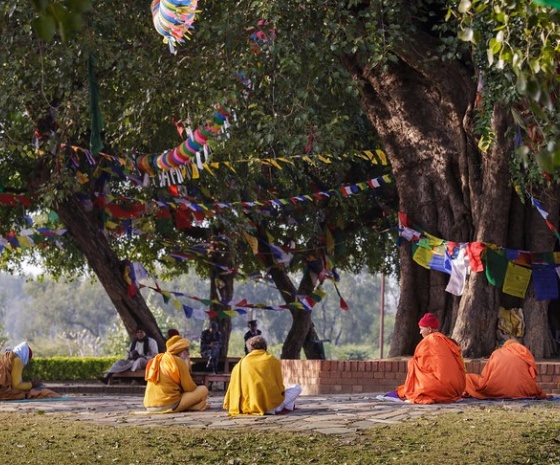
{"x":354,"y":377}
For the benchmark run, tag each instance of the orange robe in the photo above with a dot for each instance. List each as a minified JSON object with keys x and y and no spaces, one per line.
{"x":436,"y":372}
{"x":510,"y":373}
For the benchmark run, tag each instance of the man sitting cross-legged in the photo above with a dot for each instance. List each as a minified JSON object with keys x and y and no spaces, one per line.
{"x":170,"y":385}
{"x":256,"y":385}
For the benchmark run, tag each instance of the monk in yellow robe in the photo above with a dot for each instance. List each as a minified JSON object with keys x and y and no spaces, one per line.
{"x":510,"y":373}
{"x":170,"y":386}
{"x":256,"y":386}
{"x":12,"y":386}
{"x":436,"y":372}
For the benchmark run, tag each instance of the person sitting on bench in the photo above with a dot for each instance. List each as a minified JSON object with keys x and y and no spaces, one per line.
{"x":142,"y":349}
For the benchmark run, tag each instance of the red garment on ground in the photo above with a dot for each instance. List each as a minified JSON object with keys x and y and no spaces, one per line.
{"x":510,"y":372}
{"x":436,"y":372}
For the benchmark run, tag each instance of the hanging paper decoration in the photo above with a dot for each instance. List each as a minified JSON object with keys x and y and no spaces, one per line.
{"x":190,"y":149}
{"x":509,"y":269}
{"x":173,"y":20}
{"x":262,"y":35}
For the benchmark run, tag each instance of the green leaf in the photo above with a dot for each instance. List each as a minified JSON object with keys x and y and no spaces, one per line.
{"x":45,"y":27}
{"x":495,"y":45}
{"x":521,"y":83}
{"x":80,"y":6}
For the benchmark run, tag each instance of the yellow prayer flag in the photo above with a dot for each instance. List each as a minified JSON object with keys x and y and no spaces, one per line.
{"x":270,"y":238}
{"x":24,"y":242}
{"x":253,"y":243}
{"x":423,"y":256}
{"x":195,"y":173}
{"x":230,"y":166}
{"x":207,"y":168}
{"x":324,"y":159}
{"x":275,"y":164}
{"x":516,"y":280}
{"x":371,"y":156}
{"x":382,"y":156}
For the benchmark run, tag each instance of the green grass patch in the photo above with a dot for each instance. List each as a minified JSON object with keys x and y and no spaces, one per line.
{"x":495,"y":435}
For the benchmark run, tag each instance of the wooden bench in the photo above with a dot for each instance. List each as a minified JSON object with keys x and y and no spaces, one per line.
{"x":132,"y":376}
{"x":198,"y":365}
{"x":208,"y":379}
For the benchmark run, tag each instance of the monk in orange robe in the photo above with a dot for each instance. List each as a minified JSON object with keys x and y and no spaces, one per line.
{"x":436,"y":372}
{"x":510,"y":373}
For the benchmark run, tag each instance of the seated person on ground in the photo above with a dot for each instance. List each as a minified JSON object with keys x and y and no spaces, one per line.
{"x":511,"y":372}
{"x":436,"y":372}
{"x":12,"y":387}
{"x":256,"y":386}
{"x":211,"y":346}
{"x":142,"y":349}
{"x":170,"y":385}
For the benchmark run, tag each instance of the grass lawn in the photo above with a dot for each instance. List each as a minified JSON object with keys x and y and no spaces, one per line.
{"x":489,"y":435}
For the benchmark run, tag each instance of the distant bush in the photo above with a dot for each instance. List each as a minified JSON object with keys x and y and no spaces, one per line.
{"x":352,"y":352}
{"x":67,"y":368}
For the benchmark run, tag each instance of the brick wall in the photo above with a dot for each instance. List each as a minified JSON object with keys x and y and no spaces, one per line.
{"x":379,"y":376}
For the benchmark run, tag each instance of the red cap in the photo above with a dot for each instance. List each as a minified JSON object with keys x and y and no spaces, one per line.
{"x":429,"y":320}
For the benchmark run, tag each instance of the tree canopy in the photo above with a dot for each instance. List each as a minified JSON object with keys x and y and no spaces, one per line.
{"x":291,"y":172}
{"x":441,"y":87}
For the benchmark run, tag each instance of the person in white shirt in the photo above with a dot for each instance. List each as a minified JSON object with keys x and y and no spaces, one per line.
{"x":142,"y":349}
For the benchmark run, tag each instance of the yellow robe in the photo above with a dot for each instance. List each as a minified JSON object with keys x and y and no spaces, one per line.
{"x":256,"y":385}
{"x":510,"y":372}
{"x":436,"y":372}
{"x":168,"y":391}
{"x":12,"y":386}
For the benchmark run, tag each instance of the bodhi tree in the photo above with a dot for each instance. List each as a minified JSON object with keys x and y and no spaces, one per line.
{"x":446,"y":87}
{"x":116,"y":214}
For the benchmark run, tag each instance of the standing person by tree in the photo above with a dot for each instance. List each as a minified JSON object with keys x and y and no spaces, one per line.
{"x":210,"y":345}
{"x":253,"y":331}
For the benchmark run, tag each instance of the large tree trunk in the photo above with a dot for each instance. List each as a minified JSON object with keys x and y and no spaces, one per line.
{"x":109,"y":269}
{"x":221,"y":285}
{"x":302,"y":334}
{"x":447,"y":186}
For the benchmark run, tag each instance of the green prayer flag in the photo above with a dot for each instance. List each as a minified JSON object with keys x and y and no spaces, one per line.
{"x":496,"y":266}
